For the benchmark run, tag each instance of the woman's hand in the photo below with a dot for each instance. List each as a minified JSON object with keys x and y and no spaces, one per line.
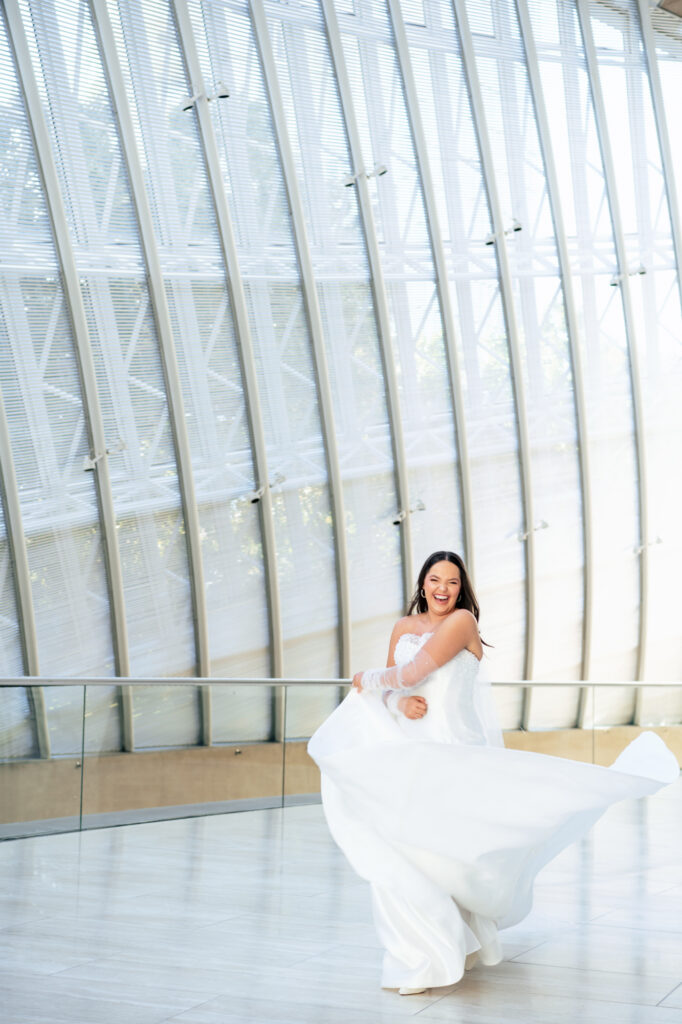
{"x":413,"y":707}
{"x":357,"y":681}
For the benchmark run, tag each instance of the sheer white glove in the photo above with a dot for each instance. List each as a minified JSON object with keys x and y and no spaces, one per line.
{"x":400,"y":677}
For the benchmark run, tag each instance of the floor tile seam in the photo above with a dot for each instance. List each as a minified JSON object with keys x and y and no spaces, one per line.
{"x":114,"y":959}
{"x":582,"y":970}
{"x":53,"y":974}
{"x":618,"y":929}
{"x":679,"y":984}
{"x":593,"y":970}
{"x":313,"y":956}
{"x":435,"y":1002}
{"x":512,"y":959}
{"x":621,"y":926}
{"x":114,"y":997}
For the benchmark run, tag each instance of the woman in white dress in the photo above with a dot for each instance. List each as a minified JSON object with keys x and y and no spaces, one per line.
{"x":419,"y":792}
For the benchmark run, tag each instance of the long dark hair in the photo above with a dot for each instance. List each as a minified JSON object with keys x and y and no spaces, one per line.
{"x":466,"y":598}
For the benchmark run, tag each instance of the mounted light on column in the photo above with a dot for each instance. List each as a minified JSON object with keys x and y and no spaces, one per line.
{"x":221,"y":93}
{"x":377,"y":172}
{"x":512,"y":229}
{"x":418,"y":506}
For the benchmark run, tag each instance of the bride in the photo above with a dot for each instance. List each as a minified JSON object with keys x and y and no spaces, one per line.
{"x":448,"y":826}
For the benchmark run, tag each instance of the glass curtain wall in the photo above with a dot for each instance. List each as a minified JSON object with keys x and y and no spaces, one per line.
{"x":168,"y":513}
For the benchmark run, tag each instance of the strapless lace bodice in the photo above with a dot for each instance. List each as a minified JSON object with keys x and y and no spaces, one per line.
{"x":450,"y":693}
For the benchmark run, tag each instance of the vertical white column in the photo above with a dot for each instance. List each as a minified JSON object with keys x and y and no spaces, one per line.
{"x":81,"y":339}
{"x":624,"y":284}
{"x":669,"y":170}
{"x":314,"y":320}
{"x":22,"y":582}
{"x":573,"y":328}
{"x":511,"y":327}
{"x":440,"y":265}
{"x":235,"y":287}
{"x":379,"y":292}
{"x":159,"y":305}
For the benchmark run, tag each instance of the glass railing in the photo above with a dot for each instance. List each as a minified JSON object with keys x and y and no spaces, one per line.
{"x":78,"y":754}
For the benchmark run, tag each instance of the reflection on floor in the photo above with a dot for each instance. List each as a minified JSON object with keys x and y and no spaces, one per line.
{"x":256,"y":917}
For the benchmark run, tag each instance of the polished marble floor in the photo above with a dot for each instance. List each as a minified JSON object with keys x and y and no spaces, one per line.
{"x":256,"y":917}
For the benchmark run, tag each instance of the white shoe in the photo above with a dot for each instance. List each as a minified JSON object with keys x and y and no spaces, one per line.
{"x":410,"y":991}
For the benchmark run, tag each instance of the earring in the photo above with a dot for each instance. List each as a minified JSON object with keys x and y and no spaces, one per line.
{"x":422,"y":592}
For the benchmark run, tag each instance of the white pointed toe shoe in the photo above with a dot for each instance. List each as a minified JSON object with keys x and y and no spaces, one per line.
{"x":410,"y":991}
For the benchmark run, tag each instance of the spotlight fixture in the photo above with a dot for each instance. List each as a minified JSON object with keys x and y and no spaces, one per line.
{"x":377,"y":172}
{"x":541,"y":525}
{"x":255,"y":496}
{"x":189,"y":102}
{"x":617,"y":278}
{"x":222,"y":93}
{"x":90,"y":461}
{"x":515,"y":226}
{"x":418,"y":506}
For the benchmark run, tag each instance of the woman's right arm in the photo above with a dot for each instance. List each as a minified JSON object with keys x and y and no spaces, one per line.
{"x":396,"y":701}
{"x":391,"y":698}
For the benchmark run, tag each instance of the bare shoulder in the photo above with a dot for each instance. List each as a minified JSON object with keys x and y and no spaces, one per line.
{"x":461,"y":621}
{"x":404,"y":625}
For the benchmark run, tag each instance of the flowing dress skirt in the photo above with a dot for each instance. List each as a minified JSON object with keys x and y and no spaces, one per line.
{"x":452,"y":835}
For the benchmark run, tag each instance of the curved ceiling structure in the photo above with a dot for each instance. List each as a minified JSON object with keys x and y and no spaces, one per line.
{"x":294,"y":293}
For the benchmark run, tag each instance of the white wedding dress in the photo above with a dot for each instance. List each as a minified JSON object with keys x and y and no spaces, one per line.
{"x":450,"y":829}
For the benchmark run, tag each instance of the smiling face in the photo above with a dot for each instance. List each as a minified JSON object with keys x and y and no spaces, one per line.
{"x":442,"y":585}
